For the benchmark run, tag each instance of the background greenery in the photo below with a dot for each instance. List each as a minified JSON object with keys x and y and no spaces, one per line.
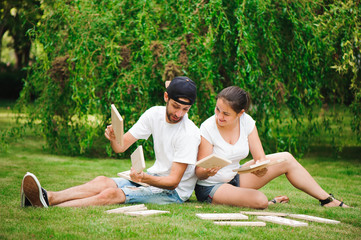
{"x":300,"y":60}
{"x":295,"y":58}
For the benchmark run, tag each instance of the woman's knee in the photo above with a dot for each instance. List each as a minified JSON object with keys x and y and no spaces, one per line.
{"x":291,"y":160}
{"x":287,"y":155}
{"x":260,"y":201}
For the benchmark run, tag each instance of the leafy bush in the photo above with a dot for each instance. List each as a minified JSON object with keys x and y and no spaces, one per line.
{"x":291,"y":56}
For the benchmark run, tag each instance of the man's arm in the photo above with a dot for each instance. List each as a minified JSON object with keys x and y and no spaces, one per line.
{"x":167,"y":182}
{"x":128,"y":140}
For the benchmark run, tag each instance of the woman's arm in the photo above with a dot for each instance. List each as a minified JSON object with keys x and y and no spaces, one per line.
{"x":205,"y":149}
{"x":255,"y":146}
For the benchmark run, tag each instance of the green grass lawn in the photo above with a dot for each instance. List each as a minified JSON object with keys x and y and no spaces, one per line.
{"x":339,"y":175}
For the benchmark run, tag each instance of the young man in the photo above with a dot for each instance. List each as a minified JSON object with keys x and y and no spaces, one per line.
{"x":171,"y":178}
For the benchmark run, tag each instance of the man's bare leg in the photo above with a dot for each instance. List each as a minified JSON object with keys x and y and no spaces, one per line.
{"x":106,"y":197}
{"x":84,"y":191}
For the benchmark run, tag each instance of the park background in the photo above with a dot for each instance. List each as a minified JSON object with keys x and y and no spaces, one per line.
{"x":63,"y":63}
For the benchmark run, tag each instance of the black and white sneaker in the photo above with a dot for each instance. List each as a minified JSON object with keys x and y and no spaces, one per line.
{"x":24,"y":201}
{"x":32,"y":190}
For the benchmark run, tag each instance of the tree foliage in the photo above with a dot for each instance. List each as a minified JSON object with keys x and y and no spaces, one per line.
{"x":17,"y":17}
{"x":290,"y":56}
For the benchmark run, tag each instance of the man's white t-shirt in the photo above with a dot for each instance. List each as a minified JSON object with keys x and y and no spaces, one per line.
{"x":172,"y":143}
{"x":234,"y":153}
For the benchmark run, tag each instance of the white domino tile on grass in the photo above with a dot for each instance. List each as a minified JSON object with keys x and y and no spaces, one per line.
{"x":146,"y":213}
{"x":314,"y":219}
{"x":265,"y":213}
{"x":139,"y":207}
{"x":283,"y":221}
{"x":237,"y":223}
{"x":222,"y":216}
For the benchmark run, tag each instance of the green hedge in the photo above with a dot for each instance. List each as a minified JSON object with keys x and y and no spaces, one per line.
{"x":291,"y":56}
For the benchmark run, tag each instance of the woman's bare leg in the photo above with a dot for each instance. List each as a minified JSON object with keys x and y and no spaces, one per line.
{"x":296,"y":174}
{"x":279,"y":199}
{"x":241,"y":197}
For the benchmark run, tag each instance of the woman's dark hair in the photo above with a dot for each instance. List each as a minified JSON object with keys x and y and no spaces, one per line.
{"x":237,"y":98}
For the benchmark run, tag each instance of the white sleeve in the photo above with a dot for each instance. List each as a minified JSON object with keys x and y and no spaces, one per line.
{"x":248,"y":123}
{"x":142,"y":128}
{"x":205,"y":131}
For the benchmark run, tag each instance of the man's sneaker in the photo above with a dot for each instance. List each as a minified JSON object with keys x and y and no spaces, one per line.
{"x":45,"y":196}
{"x":24,"y":201}
{"x":34,"y":192}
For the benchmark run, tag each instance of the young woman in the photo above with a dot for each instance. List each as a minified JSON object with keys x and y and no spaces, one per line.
{"x":231,"y":133}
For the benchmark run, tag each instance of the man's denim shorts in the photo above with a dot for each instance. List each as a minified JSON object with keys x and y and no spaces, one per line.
{"x":206,"y":193}
{"x":135,"y":193}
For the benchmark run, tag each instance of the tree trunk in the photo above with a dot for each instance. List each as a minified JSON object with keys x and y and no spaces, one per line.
{"x":3,"y":30}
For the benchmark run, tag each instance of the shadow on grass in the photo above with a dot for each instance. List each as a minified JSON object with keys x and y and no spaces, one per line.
{"x":348,"y":152}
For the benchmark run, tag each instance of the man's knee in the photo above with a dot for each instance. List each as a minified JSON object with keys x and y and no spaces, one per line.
{"x":111,"y":196}
{"x":104,"y":181}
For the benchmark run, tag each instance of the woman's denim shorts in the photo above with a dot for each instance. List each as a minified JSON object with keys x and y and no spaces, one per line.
{"x":206,"y":193}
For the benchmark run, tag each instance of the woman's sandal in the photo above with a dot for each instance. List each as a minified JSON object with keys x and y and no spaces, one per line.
{"x":330,"y":199}
{"x":279,"y":199}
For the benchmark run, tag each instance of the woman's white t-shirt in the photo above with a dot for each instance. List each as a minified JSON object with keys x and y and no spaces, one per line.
{"x":234,"y":153}
{"x":172,"y":143}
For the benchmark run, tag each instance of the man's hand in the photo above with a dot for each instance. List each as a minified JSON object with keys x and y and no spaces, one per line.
{"x":109,"y":133}
{"x":136,"y":176}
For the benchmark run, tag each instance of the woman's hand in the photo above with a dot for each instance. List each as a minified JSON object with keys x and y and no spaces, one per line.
{"x":204,"y":173}
{"x":261,"y":172}
{"x":212,"y":171}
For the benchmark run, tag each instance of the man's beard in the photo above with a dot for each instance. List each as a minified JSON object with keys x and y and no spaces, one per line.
{"x":169,"y":117}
